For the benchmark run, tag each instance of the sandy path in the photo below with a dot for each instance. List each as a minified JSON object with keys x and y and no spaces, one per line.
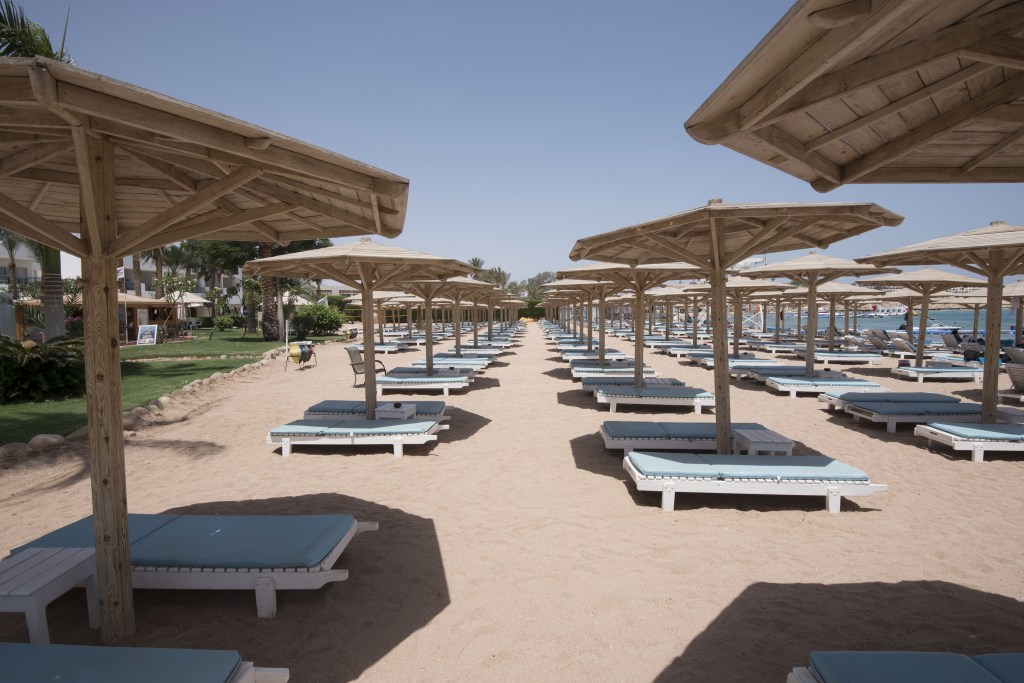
{"x":514,"y":549}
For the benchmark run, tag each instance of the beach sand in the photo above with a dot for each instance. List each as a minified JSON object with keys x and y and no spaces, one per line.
{"x":515,"y":548}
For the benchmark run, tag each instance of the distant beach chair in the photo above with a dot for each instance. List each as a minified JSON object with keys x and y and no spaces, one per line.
{"x":262,"y":553}
{"x":434,"y":382}
{"x":955,"y":373}
{"x":687,"y":436}
{"x":976,"y":438}
{"x":909,"y":667}
{"x":355,"y":359}
{"x":592,"y":384}
{"x":779,"y":475}
{"x":894,"y":413}
{"x":804,"y":385}
{"x":356,"y":410}
{"x":317,"y":432}
{"x":614,"y":396}
{"x":93,"y":664}
{"x":840,"y":398}
{"x":1016,"y":374}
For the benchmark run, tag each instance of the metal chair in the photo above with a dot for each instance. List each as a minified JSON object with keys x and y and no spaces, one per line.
{"x":355,"y":357}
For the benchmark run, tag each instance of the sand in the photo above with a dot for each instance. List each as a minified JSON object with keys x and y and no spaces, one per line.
{"x":515,"y":548}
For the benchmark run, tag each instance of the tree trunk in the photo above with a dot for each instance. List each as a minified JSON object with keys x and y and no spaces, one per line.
{"x":54,"y":316}
{"x":137,"y":273}
{"x":249,"y":301}
{"x":12,"y":276}
{"x":158,"y":282}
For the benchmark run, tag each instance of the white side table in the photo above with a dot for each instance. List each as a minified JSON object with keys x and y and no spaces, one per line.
{"x":762,"y":442}
{"x":395,"y":411}
{"x":35,"y":577}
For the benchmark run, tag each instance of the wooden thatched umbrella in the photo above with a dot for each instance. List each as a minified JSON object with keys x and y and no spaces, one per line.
{"x":833,"y":293}
{"x":879,"y":92}
{"x":738,"y":288}
{"x":926,"y":282}
{"x":994,"y":252}
{"x":103,"y":169}
{"x":812,"y":271}
{"x":718,"y":236}
{"x":594,"y":289}
{"x":639,"y":278}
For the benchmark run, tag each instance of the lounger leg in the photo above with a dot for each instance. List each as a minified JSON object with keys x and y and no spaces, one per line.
{"x":833,"y":500}
{"x":890,"y":426}
{"x":668,"y":498}
{"x":978,"y":454}
{"x":696,"y":408}
{"x":266,"y":598}
{"x":286,"y":448}
{"x":445,"y":391}
{"x":398,"y":449}
{"x":611,"y":406}
{"x":35,"y":617}
{"x":92,"y":599}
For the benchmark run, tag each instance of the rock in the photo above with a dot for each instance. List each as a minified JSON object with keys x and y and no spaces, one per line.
{"x":80,"y":434}
{"x":42,"y":442}
{"x":164,"y":401}
{"x":14,"y":452}
{"x":139,"y":411}
{"x":217,"y":376}
{"x":129,"y":421}
{"x":223,"y":356}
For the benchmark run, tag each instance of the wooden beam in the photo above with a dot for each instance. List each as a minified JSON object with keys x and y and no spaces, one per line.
{"x":103,"y":395}
{"x":179,"y":178}
{"x":940,"y":86}
{"x":901,"y":60}
{"x":992,"y":151}
{"x":63,"y":178}
{"x":94,"y":103}
{"x":300,"y":200}
{"x":840,"y":15}
{"x":986,"y":174}
{"x":820,"y":56}
{"x":935,"y":128}
{"x":223,"y":219}
{"x":125,"y":243}
{"x":331,"y":196}
{"x":32,"y":156}
{"x":30,"y":224}
{"x":793,"y":149}
{"x":1002,"y":50}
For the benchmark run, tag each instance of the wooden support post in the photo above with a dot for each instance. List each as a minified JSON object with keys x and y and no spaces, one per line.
{"x":812,"y":324}
{"x":457,"y":322}
{"x":720,"y":349}
{"x":600,"y":328}
{"x":778,"y":317}
{"x":103,"y":390}
{"x":993,"y":325}
{"x":428,"y":306}
{"x":638,"y":334}
{"x":832,"y":323}
{"x":369,"y":356}
{"x":737,"y":323}
{"x":923,"y":327}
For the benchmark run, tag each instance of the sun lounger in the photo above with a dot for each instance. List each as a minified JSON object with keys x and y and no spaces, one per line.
{"x":657,"y":396}
{"x":438,"y":370}
{"x":805,"y":475}
{"x":579,"y":372}
{"x":434,"y":382}
{"x":394,"y":433}
{"x":334,"y":410}
{"x":683,"y":349}
{"x":744,"y":362}
{"x":29,"y":662}
{"x":1016,"y":374}
{"x":592,"y":384}
{"x":263,"y":553}
{"x":591,"y":355}
{"x":839,"y":398}
{"x":894,"y":413}
{"x":845,"y":357}
{"x":921,"y":374}
{"x":798,"y":385}
{"x":909,"y":667}
{"x":382,"y":348}
{"x":675,"y":436}
{"x":976,"y":438}
{"x":761,"y":373}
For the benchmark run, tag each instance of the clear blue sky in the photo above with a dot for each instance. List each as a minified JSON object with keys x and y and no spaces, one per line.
{"x":521,"y":125}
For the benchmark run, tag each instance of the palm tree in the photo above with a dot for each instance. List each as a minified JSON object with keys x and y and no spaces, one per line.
{"x":476,"y":262}
{"x":11,"y":242}
{"x":137,"y":272}
{"x":21,"y":37}
{"x":271,"y":330}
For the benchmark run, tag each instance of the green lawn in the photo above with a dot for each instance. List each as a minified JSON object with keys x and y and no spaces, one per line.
{"x":140,"y":384}
{"x":227,"y":343}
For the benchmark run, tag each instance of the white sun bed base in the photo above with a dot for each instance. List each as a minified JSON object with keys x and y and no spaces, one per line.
{"x":907,"y":373}
{"x":696,"y":403}
{"x":444,"y":387}
{"x":833,"y":491}
{"x":977,"y":447}
{"x":396,"y":441}
{"x":795,"y":389}
{"x":266,"y":582}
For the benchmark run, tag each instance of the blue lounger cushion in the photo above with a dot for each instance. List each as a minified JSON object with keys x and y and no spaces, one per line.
{"x":217,"y":541}
{"x":654,"y":392}
{"x":717,"y":466}
{"x":898,"y":667}
{"x":893,"y":396}
{"x":895,"y":408}
{"x":36,"y":663}
{"x":353,"y":427}
{"x":340,"y":407}
{"x":1007,"y":667}
{"x":418,"y":379}
{"x":628,"y":429}
{"x":822,"y":381}
{"x":626,"y":381}
{"x":925,"y":371}
{"x":995,"y":432}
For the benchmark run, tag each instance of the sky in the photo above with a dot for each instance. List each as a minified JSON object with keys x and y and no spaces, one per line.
{"x":521,"y":126}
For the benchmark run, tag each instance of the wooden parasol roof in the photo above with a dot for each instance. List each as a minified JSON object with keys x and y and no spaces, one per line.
{"x":179,"y":171}
{"x":879,"y":92}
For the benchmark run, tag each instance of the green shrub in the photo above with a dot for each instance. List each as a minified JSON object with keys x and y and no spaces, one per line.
{"x":31,"y":371}
{"x":316,"y":319}
{"x":223,"y":322}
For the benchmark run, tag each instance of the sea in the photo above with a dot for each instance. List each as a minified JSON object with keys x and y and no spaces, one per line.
{"x":962,"y":318}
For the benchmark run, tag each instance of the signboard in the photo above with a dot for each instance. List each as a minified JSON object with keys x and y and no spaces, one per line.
{"x":147,"y":334}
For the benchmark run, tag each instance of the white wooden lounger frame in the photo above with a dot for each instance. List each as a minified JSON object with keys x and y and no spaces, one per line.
{"x":976,"y":446}
{"x":696,"y":402}
{"x":951,"y":373}
{"x":445,"y":387}
{"x":627,"y":444}
{"x":892,"y":420}
{"x":833,"y":491}
{"x":266,"y":582}
{"x":815,"y":388}
{"x":247,"y":673}
{"x":396,"y":441}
